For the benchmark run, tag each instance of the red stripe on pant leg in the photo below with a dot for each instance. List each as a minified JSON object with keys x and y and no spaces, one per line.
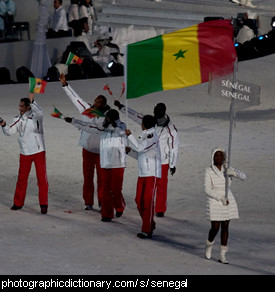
{"x":25,"y":163}
{"x":41,"y":174}
{"x":161,"y":194}
{"x":88,"y":166}
{"x":107,"y":207}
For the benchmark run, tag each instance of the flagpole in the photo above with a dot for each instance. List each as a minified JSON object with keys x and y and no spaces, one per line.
{"x":125,"y":81}
{"x":231,"y":124}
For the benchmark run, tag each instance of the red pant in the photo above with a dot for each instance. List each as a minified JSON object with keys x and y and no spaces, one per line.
{"x":90,"y":163}
{"x":161,"y":195}
{"x":26,"y":161}
{"x":112,"y":192}
{"x":145,"y":194}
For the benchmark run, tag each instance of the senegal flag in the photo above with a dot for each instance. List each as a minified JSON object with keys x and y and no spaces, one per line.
{"x":56,"y":113}
{"x":92,"y":113}
{"x":179,"y":59}
{"x":37,"y":85}
{"x":73,"y":59}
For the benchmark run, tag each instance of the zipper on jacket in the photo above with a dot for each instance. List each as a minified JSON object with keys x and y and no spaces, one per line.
{"x":147,"y":161}
{"x":38,"y":145}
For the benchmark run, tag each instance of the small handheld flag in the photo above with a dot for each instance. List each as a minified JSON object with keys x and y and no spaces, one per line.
{"x":123,"y":89}
{"x":73,"y":59}
{"x":37,"y":85}
{"x":56,"y":113}
{"x":106,"y":87}
{"x":93,"y":113}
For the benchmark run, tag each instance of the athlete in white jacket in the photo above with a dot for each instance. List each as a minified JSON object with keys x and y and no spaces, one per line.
{"x":149,"y":171}
{"x":169,"y":145}
{"x":29,"y":125}
{"x":90,"y":145}
{"x":112,"y":159}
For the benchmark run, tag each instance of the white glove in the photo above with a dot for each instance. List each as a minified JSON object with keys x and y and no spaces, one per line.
{"x":231,"y":172}
{"x":224,"y":201}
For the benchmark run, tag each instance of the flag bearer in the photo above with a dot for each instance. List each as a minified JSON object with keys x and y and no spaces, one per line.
{"x":220,"y":209}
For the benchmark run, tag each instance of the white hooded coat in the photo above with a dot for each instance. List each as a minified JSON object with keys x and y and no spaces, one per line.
{"x":214,"y":187}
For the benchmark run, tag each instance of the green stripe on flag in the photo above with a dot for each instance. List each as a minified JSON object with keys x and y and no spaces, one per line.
{"x":69,"y":59}
{"x":145,"y":54}
{"x":32,"y":82}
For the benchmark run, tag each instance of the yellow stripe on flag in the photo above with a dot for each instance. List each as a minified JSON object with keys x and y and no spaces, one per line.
{"x":181,"y":64}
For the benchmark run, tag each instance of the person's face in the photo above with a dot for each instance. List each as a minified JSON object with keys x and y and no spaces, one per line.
{"x":23,"y":108}
{"x":56,"y":4}
{"x":158,"y":112}
{"x":219,"y":158}
{"x":98,"y":102}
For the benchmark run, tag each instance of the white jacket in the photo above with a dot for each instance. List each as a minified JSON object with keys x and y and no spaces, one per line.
{"x":168,"y":138}
{"x":89,"y":141}
{"x":214,"y":187}
{"x":112,"y":141}
{"x":30,"y":129}
{"x":148,"y":153}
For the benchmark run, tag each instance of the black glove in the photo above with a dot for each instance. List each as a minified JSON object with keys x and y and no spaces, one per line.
{"x":118,"y":104}
{"x":68,"y":120}
{"x":106,"y":123}
{"x":172,"y":170}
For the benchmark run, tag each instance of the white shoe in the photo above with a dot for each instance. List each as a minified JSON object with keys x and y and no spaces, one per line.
{"x":247,"y":3}
{"x":250,"y":5}
{"x":224,"y":250}
{"x":208,"y":249}
{"x":235,"y":1}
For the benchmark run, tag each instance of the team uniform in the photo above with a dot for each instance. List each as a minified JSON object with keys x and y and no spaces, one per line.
{"x":32,"y":149}
{"x":112,"y":162}
{"x":90,"y":151}
{"x":149,"y":172}
{"x":169,"y":144}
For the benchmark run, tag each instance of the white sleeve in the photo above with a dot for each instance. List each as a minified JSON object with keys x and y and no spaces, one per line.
{"x":95,"y":125}
{"x":133,"y":115}
{"x":78,"y":102}
{"x":37,"y":110}
{"x":240,"y":174}
{"x":10,"y":130}
{"x":173,"y":141}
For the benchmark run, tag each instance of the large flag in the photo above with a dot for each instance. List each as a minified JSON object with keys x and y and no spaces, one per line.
{"x":37,"y":85}
{"x":73,"y":59}
{"x":179,"y":59}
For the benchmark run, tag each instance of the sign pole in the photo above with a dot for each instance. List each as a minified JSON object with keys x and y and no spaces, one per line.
{"x":232,"y":114}
{"x":125,"y":81}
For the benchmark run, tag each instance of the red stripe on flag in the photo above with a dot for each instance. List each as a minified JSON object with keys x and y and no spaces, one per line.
{"x":216,"y":48}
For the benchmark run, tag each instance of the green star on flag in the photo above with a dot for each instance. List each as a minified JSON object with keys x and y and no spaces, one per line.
{"x":180,"y":54}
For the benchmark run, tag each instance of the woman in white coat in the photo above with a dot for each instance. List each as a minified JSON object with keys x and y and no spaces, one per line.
{"x":220,"y":209}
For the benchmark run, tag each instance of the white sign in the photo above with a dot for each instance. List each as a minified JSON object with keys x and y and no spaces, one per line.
{"x":244,"y":93}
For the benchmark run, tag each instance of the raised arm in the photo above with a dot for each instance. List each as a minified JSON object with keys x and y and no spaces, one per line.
{"x":132,"y":114}
{"x":78,"y":102}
